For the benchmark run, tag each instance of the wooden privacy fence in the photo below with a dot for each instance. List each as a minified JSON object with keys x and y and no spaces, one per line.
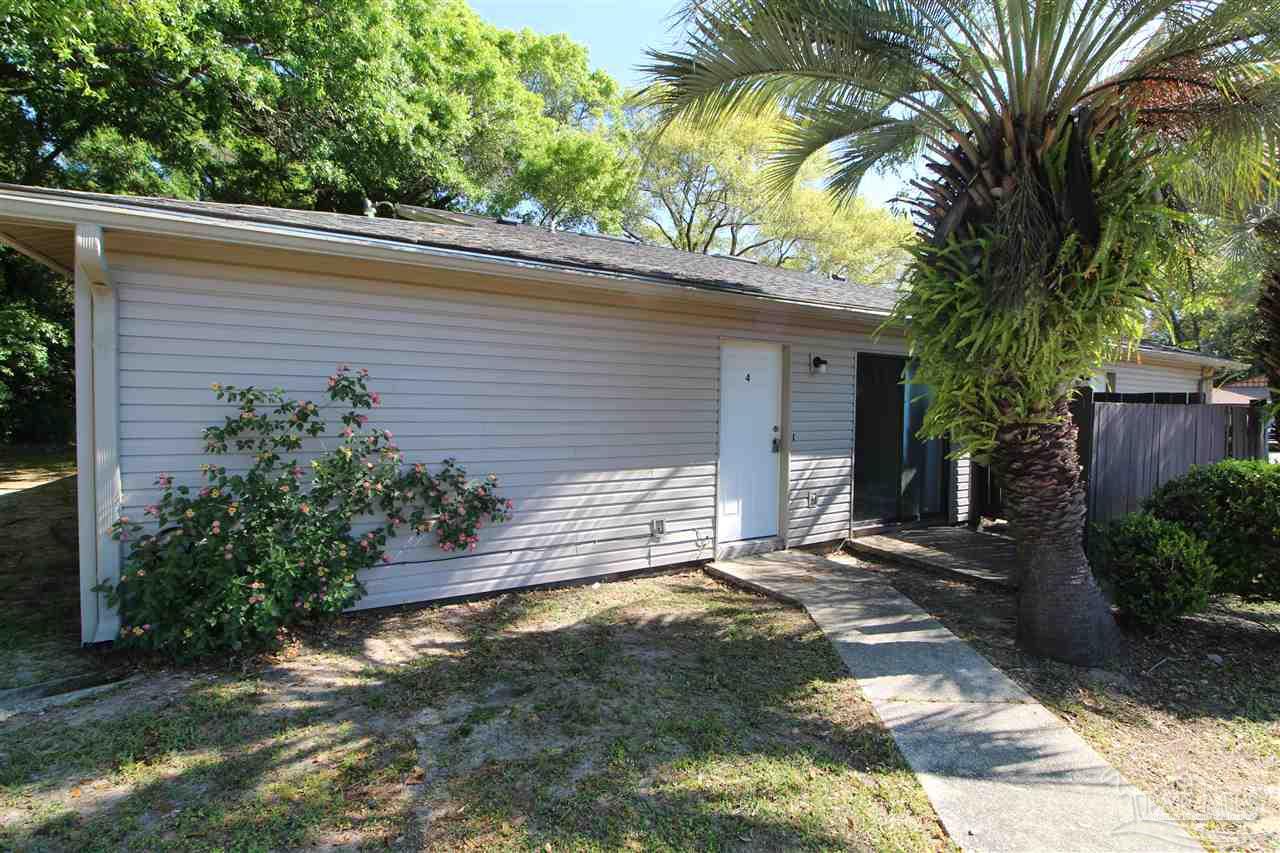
{"x":1130,"y":449}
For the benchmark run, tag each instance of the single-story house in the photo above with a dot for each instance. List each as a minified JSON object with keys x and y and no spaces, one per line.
{"x":642,"y":406}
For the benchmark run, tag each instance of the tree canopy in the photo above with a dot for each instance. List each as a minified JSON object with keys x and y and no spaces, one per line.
{"x":299,"y":104}
{"x":705,"y":189}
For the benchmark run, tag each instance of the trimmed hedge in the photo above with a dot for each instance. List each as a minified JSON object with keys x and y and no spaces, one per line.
{"x":1234,"y":507}
{"x":1157,"y":571}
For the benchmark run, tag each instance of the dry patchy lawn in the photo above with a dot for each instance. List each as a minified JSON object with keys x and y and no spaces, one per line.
{"x":1190,"y":714}
{"x":661,"y":713}
{"x":39,"y":576}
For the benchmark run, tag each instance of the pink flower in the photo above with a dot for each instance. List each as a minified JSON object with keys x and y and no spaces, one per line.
{"x":375,"y":398}
{"x":305,"y":508}
{"x":386,"y":433}
{"x":333,"y":380}
{"x":124,"y":519}
{"x":217,"y":527}
{"x":510,"y":504}
{"x":362,"y":419}
{"x":386,"y":558}
{"x":364,"y":372}
{"x":152,"y":509}
{"x":284,"y":488}
{"x":348,"y":432}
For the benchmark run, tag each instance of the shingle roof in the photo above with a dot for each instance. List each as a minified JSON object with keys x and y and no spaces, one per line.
{"x":532,"y":243}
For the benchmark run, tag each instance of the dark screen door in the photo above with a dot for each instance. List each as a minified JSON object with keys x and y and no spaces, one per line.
{"x":896,"y":476}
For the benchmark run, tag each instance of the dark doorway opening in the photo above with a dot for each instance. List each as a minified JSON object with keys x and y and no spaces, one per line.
{"x":896,"y":475}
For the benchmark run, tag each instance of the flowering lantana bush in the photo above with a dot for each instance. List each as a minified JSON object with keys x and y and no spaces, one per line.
{"x":230,"y":563}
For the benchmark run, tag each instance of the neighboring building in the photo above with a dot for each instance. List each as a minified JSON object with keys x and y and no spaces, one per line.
{"x":1255,"y":387}
{"x":610,"y":385}
{"x":1223,"y":397}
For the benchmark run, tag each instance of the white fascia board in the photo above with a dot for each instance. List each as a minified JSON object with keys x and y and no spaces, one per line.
{"x":270,"y":235}
{"x":1157,"y":356}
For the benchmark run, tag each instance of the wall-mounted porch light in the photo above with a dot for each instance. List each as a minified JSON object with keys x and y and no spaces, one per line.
{"x":818,"y":364}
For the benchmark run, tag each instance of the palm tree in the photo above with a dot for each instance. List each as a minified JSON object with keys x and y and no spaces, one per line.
{"x":1043,"y":125}
{"x":1256,"y":237}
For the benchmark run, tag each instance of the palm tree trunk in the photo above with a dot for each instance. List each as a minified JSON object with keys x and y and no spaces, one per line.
{"x":1062,"y":612}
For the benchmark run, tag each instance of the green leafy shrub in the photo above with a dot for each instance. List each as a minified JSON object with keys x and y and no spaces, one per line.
{"x":1234,"y":506}
{"x":1157,"y":571}
{"x":36,"y":368}
{"x":228,"y":564}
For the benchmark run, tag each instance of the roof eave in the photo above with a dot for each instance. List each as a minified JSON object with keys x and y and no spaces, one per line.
{"x":1167,"y":357}
{"x":34,"y":206}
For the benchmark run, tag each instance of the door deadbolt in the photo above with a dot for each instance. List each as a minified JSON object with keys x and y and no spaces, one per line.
{"x":776,"y":442}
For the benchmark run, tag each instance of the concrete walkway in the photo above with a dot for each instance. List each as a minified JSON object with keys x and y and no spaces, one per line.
{"x":946,"y":550}
{"x":1002,"y":772}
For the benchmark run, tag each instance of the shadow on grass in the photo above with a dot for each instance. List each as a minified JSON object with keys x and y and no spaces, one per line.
{"x":40,"y":586}
{"x":674,"y":713}
{"x":1217,"y":664}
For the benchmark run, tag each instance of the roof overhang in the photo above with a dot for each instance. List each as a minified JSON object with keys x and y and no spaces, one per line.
{"x":41,"y":210}
{"x":1159,"y":355}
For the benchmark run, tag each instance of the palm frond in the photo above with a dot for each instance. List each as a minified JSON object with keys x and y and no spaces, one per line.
{"x":856,"y":137}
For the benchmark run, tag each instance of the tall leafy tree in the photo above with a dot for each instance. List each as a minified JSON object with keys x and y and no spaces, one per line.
{"x":1039,"y":121}
{"x":705,"y":189}
{"x":1203,"y":287}
{"x":290,"y":103}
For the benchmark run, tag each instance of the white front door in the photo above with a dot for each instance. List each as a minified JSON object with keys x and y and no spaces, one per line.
{"x":750,"y":440}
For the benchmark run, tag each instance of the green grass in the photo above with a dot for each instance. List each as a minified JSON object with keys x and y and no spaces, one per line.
{"x":665,"y":713}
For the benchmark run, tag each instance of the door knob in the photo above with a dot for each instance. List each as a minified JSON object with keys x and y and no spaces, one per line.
{"x":775,"y":444}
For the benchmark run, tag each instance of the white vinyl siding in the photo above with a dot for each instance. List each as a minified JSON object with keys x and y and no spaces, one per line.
{"x":1147,"y":378}
{"x":597,"y":417}
{"x":822,"y":449}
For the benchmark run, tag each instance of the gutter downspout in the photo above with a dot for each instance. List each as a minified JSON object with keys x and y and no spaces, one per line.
{"x":97,"y":428}
{"x":86,"y":492}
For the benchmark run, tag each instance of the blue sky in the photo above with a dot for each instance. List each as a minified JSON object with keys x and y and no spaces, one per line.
{"x":616,"y":32}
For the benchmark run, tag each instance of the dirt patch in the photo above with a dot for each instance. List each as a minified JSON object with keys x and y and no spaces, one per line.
{"x":1190,"y":714}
